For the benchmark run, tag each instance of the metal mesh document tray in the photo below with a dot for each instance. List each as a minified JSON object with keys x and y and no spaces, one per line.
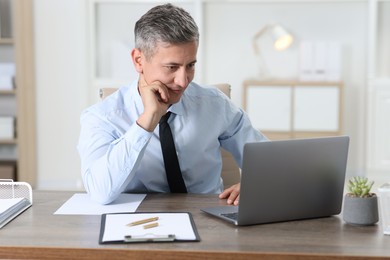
{"x":10,"y":189}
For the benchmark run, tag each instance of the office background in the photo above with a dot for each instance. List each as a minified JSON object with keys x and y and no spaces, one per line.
{"x":69,"y":68}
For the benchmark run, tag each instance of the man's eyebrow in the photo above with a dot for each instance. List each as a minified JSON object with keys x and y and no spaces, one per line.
{"x":177,"y":64}
{"x":171,"y":64}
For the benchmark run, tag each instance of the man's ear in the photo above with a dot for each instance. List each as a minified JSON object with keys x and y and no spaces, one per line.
{"x":137,"y":59}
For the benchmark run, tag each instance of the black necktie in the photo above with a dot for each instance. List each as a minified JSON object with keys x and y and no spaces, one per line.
{"x":172,"y":168}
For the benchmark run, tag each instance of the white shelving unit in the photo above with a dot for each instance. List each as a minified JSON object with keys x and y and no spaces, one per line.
{"x":20,"y":101}
{"x":378,"y":91}
{"x":8,"y":143}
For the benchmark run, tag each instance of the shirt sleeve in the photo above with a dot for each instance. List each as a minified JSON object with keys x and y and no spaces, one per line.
{"x":238,"y":132}
{"x":109,"y":161}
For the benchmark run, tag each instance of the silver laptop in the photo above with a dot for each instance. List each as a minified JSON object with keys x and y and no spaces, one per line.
{"x":289,"y":180}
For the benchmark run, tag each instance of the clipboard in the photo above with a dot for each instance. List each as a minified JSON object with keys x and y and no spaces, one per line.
{"x":144,"y":227}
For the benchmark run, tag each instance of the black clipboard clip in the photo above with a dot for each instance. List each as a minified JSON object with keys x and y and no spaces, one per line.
{"x":149,"y":238}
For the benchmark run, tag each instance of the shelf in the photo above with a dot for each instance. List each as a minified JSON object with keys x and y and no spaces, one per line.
{"x":7,"y":161}
{"x":6,"y":41}
{"x":295,"y":82}
{"x":8,"y":141}
{"x":7,"y":92}
{"x":282,"y":135}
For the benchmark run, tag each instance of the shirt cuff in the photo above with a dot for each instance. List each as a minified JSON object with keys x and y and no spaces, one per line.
{"x":138,"y":136}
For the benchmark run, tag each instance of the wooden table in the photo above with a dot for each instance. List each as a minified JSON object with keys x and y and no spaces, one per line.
{"x":37,"y":233}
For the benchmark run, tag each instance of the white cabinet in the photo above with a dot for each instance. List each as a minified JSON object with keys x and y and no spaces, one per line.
{"x":316,"y":108}
{"x":291,"y":109}
{"x":269,"y":107}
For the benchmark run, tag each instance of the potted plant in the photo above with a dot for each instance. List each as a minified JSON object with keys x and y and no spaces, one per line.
{"x":360,"y":205}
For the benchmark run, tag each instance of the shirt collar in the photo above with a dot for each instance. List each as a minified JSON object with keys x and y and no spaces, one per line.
{"x":178,"y":107}
{"x":134,"y":94}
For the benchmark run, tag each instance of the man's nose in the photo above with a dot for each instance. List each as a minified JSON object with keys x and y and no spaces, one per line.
{"x":181,"y":78}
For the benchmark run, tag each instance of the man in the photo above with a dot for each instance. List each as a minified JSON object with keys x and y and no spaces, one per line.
{"x":119,"y":141}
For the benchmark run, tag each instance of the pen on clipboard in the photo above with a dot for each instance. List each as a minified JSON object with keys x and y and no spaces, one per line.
{"x":151,"y":225}
{"x":143,"y":221}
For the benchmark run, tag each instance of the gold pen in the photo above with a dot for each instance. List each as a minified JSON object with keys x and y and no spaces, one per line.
{"x":151,"y":225}
{"x":143,"y":221}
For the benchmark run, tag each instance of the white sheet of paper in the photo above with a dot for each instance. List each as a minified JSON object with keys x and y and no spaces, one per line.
{"x":178,"y":224}
{"x":6,"y":204}
{"x":81,"y":204}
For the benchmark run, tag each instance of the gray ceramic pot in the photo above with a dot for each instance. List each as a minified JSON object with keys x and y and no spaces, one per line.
{"x":360,"y":211}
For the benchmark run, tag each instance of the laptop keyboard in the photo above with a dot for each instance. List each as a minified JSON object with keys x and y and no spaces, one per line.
{"x":233,"y":215}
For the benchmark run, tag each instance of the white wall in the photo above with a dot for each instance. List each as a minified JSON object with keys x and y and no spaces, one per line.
{"x":62,"y":70}
{"x":61,"y":89}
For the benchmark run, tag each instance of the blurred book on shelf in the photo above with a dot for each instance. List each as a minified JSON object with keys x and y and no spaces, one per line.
{"x":8,"y":170}
{"x":5,"y":19}
{"x":7,"y":75}
{"x":7,"y":127}
{"x":320,"y":61}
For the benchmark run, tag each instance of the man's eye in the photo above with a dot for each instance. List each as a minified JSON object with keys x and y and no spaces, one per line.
{"x":171,"y":67}
{"x":191,"y":66}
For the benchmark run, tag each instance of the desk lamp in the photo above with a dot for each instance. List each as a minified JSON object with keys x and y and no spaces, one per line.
{"x":281,"y":41}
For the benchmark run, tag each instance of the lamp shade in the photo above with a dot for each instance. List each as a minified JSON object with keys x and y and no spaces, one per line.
{"x":282,"y":38}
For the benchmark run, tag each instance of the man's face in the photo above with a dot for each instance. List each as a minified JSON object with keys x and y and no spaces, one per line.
{"x":172,"y":65}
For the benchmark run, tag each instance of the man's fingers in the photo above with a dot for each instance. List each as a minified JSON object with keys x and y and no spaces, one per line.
{"x":225,"y":193}
{"x":157,"y":87}
{"x":236,"y":200}
{"x":162,"y":93}
{"x":232,"y":194}
{"x":233,"y":197}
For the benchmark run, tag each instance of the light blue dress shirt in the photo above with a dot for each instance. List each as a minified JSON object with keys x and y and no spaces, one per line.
{"x":117,"y":155}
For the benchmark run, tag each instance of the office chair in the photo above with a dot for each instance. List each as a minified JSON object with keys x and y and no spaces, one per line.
{"x":230,"y":171}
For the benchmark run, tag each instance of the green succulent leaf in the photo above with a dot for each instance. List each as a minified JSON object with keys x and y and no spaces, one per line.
{"x":359,"y":186}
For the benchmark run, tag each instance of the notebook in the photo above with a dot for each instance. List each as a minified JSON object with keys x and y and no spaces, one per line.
{"x":289,"y":180}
